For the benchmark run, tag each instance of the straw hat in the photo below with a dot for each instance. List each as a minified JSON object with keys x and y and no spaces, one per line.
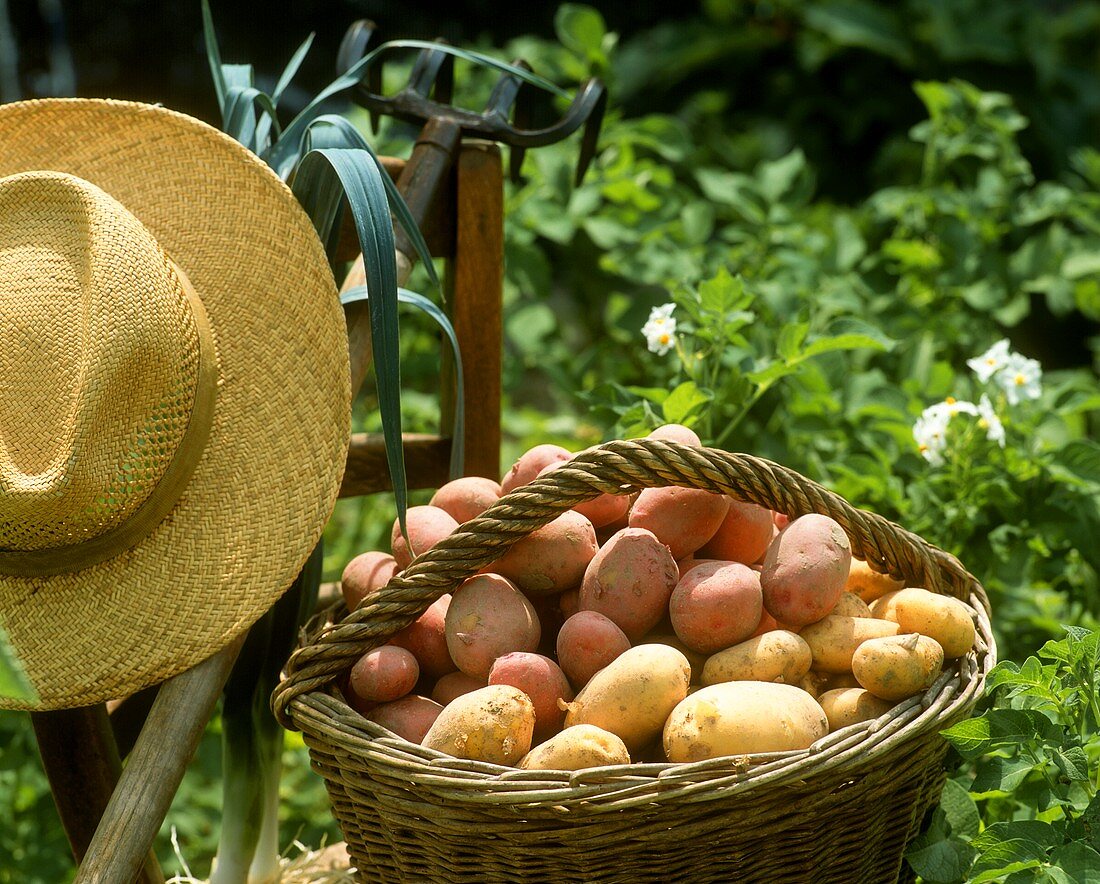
{"x":174,"y":393}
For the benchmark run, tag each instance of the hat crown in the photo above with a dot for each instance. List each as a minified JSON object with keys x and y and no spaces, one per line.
{"x":99,"y":363}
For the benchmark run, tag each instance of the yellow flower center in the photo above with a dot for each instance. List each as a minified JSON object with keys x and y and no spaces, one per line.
{"x":665,"y":338}
{"x":983,"y":423}
{"x":923,"y":448}
{"x":990,"y":361}
{"x":1020,"y":380}
{"x":951,"y":400}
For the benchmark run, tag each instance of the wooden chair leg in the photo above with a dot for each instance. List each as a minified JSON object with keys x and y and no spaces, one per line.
{"x":476,"y":282}
{"x":152,"y":775}
{"x":128,"y":716}
{"x":82,"y":764}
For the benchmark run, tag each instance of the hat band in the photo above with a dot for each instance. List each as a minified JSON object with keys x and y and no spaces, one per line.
{"x":162,"y":499}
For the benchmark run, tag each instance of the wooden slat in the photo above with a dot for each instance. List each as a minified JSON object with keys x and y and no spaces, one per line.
{"x":82,"y":764}
{"x":426,"y":463}
{"x":153,"y":774}
{"x":476,"y":281}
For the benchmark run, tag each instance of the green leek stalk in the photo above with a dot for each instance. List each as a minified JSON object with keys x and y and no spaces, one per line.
{"x":252,"y":740}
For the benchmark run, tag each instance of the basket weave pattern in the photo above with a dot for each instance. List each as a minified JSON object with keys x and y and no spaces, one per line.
{"x":841,"y":811}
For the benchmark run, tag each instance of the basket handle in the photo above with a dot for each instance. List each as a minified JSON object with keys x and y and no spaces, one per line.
{"x":617,"y":468}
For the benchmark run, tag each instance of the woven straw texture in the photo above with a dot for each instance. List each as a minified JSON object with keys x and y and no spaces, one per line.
{"x":268,"y":475}
{"x":841,"y":811}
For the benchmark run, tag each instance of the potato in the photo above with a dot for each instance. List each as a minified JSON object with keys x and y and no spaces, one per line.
{"x":716,"y":605}
{"x":780,"y":520}
{"x":743,"y":536}
{"x":634,"y":694}
{"x":630,"y":581}
{"x":945,"y":619}
{"x":851,"y":706}
{"x":883,"y":606}
{"x":742,"y":717}
{"x":577,"y":748}
{"x":541,"y":679}
{"x":569,"y":603}
{"x":661,"y":636}
{"x":530,"y":464}
{"x":869,"y":584}
{"x":813,"y":683}
{"x":550,"y":559}
{"x":851,"y":605}
{"x":364,"y":574}
{"x":382,"y":674}
{"x":767,"y":624}
{"x":410,"y":717}
{"x":774,"y":656}
{"x":682,"y":518}
{"x":427,"y":526}
{"x":834,"y":681}
{"x":896,"y":667}
{"x":455,"y":684}
{"x":834,"y":639}
{"x":676,"y":433}
{"x":805,"y":569}
{"x":587,"y":642}
{"x":426,"y":637}
{"x":466,"y":498}
{"x":487,"y":618}
{"x":492,"y":724}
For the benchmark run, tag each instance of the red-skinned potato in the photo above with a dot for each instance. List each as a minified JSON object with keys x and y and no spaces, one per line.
{"x":805,"y":570}
{"x":683,"y":519}
{"x":427,"y":526}
{"x":381,"y":675}
{"x":676,"y":433}
{"x":487,"y":618}
{"x":587,"y":642}
{"x":466,"y":498}
{"x":550,"y":559}
{"x":541,"y":679}
{"x":630,"y":580}
{"x":364,"y":574}
{"x":781,"y":520}
{"x":767,"y":623}
{"x":743,"y":536}
{"x":454,"y":685}
{"x":410,"y":717}
{"x":530,"y":464}
{"x":426,"y":637}
{"x":716,"y":605}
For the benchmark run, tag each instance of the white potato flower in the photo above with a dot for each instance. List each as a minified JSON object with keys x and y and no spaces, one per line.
{"x":930,"y":433}
{"x":991,"y":361}
{"x":1020,"y":378}
{"x":988,"y":421}
{"x":660,"y":329}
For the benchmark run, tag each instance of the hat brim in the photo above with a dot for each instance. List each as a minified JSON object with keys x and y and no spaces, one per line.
{"x":267,"y":482}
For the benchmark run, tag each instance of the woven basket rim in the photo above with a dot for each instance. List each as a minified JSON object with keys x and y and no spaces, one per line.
{"x":309,"y":701}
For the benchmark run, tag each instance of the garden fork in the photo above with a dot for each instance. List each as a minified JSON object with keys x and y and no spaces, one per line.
{"x":426,"y":99}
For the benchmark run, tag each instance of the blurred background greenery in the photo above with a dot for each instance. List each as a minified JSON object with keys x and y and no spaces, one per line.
{"x":924,"y":169}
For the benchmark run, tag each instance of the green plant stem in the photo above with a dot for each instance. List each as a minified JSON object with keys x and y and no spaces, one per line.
{"x":722,"y":439}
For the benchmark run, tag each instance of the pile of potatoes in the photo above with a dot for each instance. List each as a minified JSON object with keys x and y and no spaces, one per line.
{"x":669,"y":625}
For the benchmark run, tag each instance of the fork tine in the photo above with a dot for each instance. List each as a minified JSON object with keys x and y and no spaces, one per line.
{"x":505,"y":91}
{"x":445,"y":80}
{"x":374,"y":85}
{"x":521,"y":119}
{"x":596,"y":105}
{"x":426,"y":70}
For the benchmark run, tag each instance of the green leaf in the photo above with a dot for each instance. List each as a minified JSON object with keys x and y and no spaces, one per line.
{"x":1026,"y":832}
{"x":1079,"y":861}
{"x":1086,"y":827}
{"x":321,"y":179}
{"x":1081,"y":457}
{"x":1005,"y":857}
{"x":861,"y":24}
{"x":683,"y":403}
{"x":213,"y":55}
{"x":841,"y":342}
{"x":960,"y":810}
{"x":13,"y":680}
{"x":944,"y":861}
{"x":776,"y":177}
{"x":1000,"y":775}
{"x":1081,"y":264}
{"x":580,"y":28}
{"x":790,"y":340}
{"x":999,"y":727}
{"x":1073,"y":763}
{"x":458,"y":427}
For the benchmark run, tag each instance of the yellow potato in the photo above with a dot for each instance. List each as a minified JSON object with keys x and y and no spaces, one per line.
{"x":850,"y":706}
{"x":945,"y":619}
{"x":576,"y":748}
{"x":898,"y":666}
{"x":834,"y":640}
{"x":778,"y":655}
{"x":494,"y":724}
{"x":633,"y":695}
{"x":836,"y":680}
{"x":813,"y":683}
{"x":741,"y":717}
{"x":869,"y":584}
{"x":883,"y":607}
{"x":851,"y":605}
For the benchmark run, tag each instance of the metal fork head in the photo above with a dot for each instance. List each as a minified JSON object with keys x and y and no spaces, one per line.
{"x":506,"y":116}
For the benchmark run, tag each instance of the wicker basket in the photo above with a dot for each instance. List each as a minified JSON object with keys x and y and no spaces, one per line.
{"x":841,"y":811}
